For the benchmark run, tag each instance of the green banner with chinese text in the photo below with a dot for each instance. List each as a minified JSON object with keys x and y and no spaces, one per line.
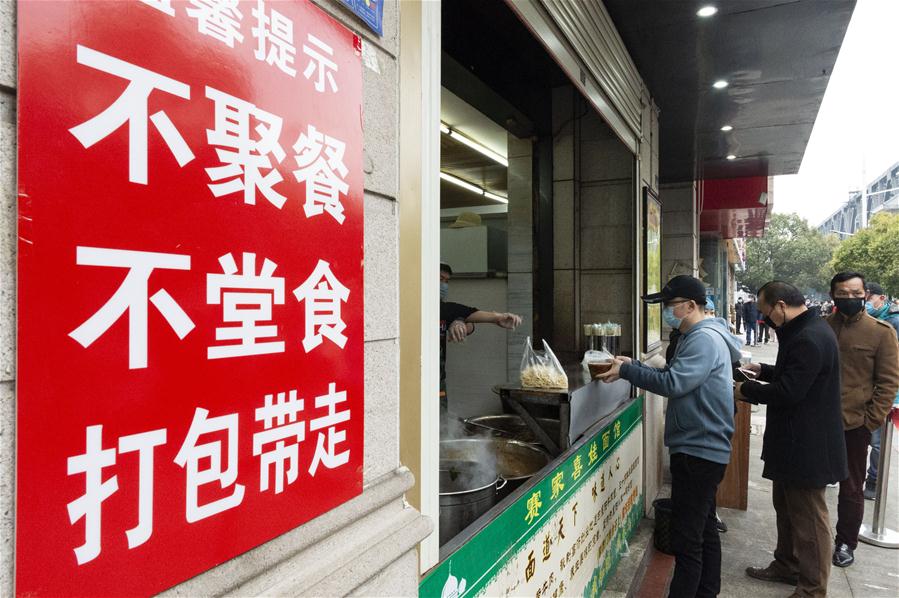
{"x":565,"y":535}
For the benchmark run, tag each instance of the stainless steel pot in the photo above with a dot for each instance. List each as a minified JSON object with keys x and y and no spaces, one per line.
{"x":512,"y":460}
{"x":467,"y":491}
{"x":511,"y":426}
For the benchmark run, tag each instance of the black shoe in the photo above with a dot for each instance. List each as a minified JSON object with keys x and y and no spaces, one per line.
{"x":843,"y":556}
{"x":770,"y":574}
{"x":870,"y":491}
{"x":719,"y":523}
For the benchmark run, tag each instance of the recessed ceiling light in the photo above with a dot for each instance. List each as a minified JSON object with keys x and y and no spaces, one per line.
{"x":731,"y":157}
{"x":706,"y":11}
{"x":727,"y":128}
{"x":719,"y":84}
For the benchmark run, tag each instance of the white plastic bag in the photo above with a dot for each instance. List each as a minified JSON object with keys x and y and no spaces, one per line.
{"x":541,"y":369}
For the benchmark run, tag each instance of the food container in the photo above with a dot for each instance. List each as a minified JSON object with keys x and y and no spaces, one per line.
{"x":599,"y":367}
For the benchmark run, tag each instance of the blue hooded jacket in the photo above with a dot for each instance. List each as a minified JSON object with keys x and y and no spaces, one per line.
{"x":699,"y":385}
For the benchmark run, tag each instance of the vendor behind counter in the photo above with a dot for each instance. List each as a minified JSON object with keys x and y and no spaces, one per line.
{"x":457,"y":322}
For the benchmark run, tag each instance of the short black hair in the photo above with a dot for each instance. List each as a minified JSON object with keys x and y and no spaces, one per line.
{"x":843,"y":277}
{"x":446,"y":268}
{"x":778,"y":290}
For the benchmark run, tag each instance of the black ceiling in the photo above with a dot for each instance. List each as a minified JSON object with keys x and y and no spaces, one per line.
{"x":492,"y":61}
{"x":777,"y":56}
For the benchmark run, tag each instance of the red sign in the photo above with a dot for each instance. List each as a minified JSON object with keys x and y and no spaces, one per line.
{"x":190,"y":307}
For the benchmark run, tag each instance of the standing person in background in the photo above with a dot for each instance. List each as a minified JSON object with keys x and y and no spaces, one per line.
{"x":763,"y":331}
{"x":750,"y":321}
{"x":803,"y":447}
{"x":738,"y":315}
{"x":869,"y":374}
{"x":879,"y":308}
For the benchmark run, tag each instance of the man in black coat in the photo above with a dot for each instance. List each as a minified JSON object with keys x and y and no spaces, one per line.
{"x":803,"y":449}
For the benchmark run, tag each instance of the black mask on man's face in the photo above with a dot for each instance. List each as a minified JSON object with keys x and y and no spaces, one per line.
{"x":769,"y":322}
{"x":849,"y":306}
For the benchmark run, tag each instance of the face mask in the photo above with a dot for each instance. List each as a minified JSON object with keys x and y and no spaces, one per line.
{"x":444,"y":290}
{"x":670,"y":318}
{"x":769,"y":322}
{"x":869,"y":307}
{"x":849,"y":307}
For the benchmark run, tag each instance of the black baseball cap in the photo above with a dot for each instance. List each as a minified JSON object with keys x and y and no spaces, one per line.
{"x":684,"y":286}
{"x":874,"y":289}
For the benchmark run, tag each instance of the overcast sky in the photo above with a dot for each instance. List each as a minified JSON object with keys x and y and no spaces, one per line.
{"x":858,"y":124}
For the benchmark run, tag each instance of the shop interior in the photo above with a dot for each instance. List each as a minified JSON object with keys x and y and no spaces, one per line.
{"x":539,"y":218}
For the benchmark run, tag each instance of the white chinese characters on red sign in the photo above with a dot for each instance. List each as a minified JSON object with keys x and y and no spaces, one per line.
{"x":190,"y":303}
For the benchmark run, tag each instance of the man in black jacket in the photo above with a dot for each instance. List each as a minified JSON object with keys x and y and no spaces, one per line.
{"x":803,"y":448}
{"x":750,"y":321}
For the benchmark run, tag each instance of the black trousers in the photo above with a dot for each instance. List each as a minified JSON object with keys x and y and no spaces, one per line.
{"x":695,"y":541}
{"x":851,"y":501}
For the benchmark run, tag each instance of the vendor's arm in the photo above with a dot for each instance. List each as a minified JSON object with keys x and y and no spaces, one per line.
{"x":503,"y":320}
{"x":798,"y":373}
{"x":455,"y":315}
{"x":686,"y":373}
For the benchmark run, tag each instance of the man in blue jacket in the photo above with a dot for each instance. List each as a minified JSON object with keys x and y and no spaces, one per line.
{"x":878,"y":306}
{"x":699,"y":424}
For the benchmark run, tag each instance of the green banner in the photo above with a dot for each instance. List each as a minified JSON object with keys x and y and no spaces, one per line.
{"x":563,"y":536}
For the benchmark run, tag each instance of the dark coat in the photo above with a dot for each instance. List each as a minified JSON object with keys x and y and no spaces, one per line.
{"x":804,"y":444}
{"x":750,"y":312}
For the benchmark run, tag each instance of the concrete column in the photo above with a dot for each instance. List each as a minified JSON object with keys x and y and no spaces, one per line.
{"x":606,"y":227}
{"x":593,"y":223}
{"x":680,"y":230}
{"x":565,"y":240}
{"x":520,"y":226}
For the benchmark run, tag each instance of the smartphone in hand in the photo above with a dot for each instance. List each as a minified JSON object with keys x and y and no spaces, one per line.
{"x":741,"y":375}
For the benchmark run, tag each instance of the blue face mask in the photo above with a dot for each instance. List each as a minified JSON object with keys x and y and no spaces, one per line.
{"x":670,"y":318}
{"x":444,"y":290}
{"x":869,"y":307}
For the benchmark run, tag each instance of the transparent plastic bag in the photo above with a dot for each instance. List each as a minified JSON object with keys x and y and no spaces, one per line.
{"x":541,"y":369}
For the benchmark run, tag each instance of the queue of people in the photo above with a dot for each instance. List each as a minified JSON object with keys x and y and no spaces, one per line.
{"x":830,"y":388}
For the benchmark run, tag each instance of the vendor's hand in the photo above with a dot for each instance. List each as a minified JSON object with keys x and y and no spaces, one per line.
{"x":508,"y":321}
{"x":756,"y":368}
{"x":456,"y":332}
{"x":612,"y":374}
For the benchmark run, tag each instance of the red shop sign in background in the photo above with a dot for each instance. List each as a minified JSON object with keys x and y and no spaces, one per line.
{"x":190,"y":337}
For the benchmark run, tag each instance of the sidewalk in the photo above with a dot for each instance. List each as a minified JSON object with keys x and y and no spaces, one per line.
{"x":751,"y":536}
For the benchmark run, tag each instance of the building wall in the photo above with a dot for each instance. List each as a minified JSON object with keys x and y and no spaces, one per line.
{"x":367,"y":545}
{"x":593,"y":224}
{"x":680,"y":231}
{"x":882,"y":195}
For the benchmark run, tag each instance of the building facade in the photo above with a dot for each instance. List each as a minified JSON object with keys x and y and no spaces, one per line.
{"x":881,"y":195}
{"x":588,"y":206}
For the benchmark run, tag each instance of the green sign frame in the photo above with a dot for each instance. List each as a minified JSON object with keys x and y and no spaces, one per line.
{"x":480,"y":559}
